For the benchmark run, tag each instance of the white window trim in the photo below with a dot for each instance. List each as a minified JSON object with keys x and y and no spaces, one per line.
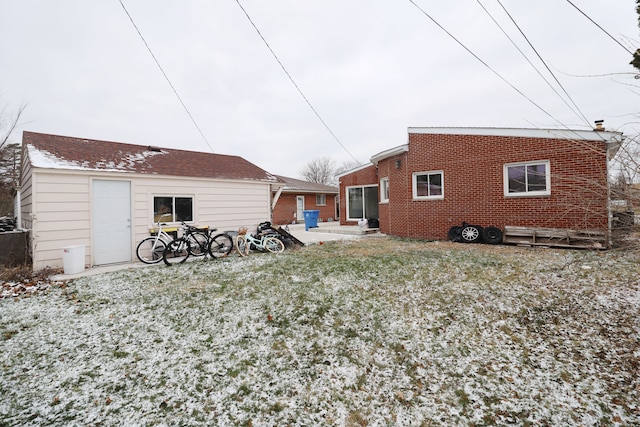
{"x":173,"y":215}
{"x":325,"y":200}
{"x":414,"y":185}
{"x":384,"y":185}
{"x":505,"y":177}
{"x":349,"y":218}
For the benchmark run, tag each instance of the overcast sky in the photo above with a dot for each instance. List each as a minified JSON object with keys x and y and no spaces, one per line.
{"x":369,"y":68}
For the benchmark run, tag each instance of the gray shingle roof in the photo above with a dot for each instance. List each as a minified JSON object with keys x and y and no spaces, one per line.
{"x":300,"y":186}
{"x":63,"y":152}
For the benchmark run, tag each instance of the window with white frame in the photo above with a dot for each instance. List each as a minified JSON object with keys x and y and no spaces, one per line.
{"x":321,"y":199}
{"x":362,"y":202}
{"x":384,"y":190}
{"x":172,"y":208}
{"x":527,"y":179}
{"x":428,"y":185}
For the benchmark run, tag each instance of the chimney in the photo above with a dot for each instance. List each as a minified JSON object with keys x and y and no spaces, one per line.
{"x":599,"y":127}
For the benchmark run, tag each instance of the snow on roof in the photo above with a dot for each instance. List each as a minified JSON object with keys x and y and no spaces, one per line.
{"x":69,"y":153}
{"x":47,"y":160}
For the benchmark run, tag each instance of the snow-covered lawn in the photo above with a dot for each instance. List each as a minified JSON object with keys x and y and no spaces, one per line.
{"x":374,"y":332}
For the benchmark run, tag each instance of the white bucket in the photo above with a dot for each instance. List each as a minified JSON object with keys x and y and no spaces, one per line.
{"x":73,"y":259}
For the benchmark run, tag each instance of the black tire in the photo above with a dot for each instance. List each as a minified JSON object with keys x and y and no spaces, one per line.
{"x":150,"y":250}
{"x":454,"y":233}
{"x":176,"y":252}
{"x":220,"y":246}
{"x":492,"y":235}
{"x":199,"y":244}
{"x":471,"y":234}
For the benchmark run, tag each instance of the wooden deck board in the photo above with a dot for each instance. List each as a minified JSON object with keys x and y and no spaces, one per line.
{"x":555,"y":237}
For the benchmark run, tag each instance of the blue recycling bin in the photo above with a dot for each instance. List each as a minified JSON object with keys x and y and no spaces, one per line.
{"x":310,"y":219}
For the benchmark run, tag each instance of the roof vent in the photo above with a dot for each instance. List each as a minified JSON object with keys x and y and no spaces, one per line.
{"x":153,"y":148}
{"x":599,"y":126}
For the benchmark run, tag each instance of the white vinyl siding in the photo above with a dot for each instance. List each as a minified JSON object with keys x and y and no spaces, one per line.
{"x":62,"y":207}
{"x":60,"y":216}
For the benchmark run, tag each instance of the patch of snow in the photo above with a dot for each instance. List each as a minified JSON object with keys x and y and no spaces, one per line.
{"x":45,"y":159}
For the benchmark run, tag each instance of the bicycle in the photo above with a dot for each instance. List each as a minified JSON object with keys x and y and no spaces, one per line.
{"x":150,"y":249}
{"x":262,"y":242}
{"x":202,"y":243}
{"x":197,"y":242}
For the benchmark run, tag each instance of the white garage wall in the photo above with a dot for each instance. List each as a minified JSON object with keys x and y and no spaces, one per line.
{"x":61,"y":211}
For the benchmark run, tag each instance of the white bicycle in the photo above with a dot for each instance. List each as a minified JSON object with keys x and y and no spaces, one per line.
{"x":150,"y":249}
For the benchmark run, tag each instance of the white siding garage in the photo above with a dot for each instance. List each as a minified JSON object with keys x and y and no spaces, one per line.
{"x":105,"y":195}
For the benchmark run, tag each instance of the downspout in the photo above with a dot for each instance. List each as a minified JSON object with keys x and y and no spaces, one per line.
{"x":17,"y":207}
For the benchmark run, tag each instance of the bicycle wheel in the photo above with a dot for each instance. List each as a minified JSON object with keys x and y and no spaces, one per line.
{"x":176,"y":252}
{"x":220,"y":246}
{"x":273,"y":244}
{"x":198,"y":243}
{"x":150,"y":250}
{"x":242,"y":245}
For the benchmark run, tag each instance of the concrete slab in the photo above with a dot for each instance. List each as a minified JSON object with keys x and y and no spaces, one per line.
{"x":328,"y":231}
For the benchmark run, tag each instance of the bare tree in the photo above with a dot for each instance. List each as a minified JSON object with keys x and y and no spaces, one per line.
{"x":8,"y":124}
{"x":347,"y":166}
{"x":320,"y":171}
{"x":9,"y":158}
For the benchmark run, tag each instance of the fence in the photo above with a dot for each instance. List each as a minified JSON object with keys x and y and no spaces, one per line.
{"x":14,"y":246}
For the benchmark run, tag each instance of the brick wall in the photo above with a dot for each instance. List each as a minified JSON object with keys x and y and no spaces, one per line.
{"x":474,"y":186}
{"x":286,"y":208}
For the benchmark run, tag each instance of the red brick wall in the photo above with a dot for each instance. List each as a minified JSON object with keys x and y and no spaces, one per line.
{"x":286,"y":208}
{"x":474,"y":187}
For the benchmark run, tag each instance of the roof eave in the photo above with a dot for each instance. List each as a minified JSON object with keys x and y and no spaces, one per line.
{"x":389,"y":153}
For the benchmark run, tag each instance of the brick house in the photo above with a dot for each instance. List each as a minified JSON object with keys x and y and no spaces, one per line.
{"x":297,"y":196}
{"x":442,"y":177}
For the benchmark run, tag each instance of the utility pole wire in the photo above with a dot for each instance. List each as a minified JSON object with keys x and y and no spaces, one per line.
{"x":546,"y":66}
{"x":166,"y":77}
{"x":295,"y":84}
{"x":485,"y":64}
{"x":597,"y":25}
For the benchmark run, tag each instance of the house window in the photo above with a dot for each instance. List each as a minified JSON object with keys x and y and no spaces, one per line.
{"x":172,"y":208}
{"x":527,"y":179}
{"x":384,"y":190}
{"x":362,"y":202}
{"x":321,"y":199}
{"x":428,"y":185}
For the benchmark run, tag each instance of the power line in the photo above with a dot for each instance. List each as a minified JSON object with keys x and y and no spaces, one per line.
{"x":545,"y":64}
{"x":166,"y":77}
{"x":295,"y":84}
{"x":597,"y":25}
{"x":485,"y":64}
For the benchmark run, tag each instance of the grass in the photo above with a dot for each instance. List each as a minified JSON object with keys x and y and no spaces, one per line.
{"x":373,"y":332}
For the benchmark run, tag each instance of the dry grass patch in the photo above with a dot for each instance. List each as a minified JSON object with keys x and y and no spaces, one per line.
{"x":379,"y":331}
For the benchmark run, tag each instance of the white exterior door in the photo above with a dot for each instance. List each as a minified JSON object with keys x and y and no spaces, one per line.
{"x":111,"y":222}
{"x":300,"y":208}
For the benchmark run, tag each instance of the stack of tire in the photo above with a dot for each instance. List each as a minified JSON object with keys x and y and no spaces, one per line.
{"x":469,"y":233}
{"x":7,"y":223}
